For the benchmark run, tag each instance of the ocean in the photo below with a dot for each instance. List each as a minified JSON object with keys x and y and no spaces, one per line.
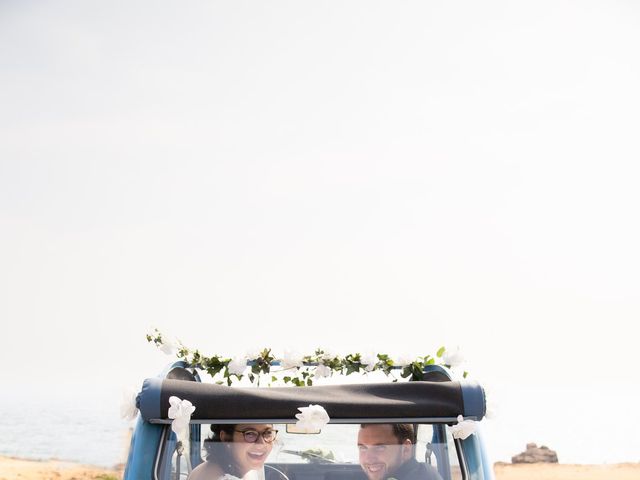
{"x":76,"y":426}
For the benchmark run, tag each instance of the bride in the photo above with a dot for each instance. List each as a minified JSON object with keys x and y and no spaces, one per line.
{"x":236,"y":450}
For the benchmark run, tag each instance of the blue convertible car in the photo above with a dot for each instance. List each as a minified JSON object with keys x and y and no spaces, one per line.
{"x":431,"y":406}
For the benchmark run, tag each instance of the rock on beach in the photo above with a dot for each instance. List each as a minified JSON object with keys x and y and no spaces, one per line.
{"x":535,"y":454}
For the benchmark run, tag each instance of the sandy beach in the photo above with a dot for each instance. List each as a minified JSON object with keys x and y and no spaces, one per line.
{"x":20,"y":469}
{"x":547,"y":471}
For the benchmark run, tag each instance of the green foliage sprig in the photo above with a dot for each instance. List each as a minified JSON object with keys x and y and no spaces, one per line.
{"x":302,"y":372}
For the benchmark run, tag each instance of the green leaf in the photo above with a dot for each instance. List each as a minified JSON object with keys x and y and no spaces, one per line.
{"x":440,"y":352}
{"x":417,"y":375}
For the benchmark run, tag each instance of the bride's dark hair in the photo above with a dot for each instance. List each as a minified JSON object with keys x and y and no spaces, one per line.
{"x":216,"y":454}
{"x":216,"y":429}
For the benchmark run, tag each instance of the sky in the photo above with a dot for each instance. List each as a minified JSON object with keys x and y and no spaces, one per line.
{"x":386,"y":176}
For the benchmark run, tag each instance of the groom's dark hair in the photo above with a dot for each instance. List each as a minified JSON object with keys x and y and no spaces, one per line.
{"x":402,"y":431}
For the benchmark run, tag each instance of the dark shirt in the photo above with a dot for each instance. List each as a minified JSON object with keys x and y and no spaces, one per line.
{"x":414,"y":470}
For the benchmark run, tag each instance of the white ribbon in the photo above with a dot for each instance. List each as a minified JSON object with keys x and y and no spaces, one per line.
{"x":311,"y":418}
{"x":463,"y":428}
{"x":180,"y":411}
{"x":128,"y":408}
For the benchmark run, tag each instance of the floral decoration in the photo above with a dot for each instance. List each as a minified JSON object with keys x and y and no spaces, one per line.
{"x":453,"y":358}
{"x":237,"y":366}
{"x":311,"y":419}
{"x":463,"y":428}
{"x":300,"y":370}
{"x":180,"y":411}
{"x":128,"y":407}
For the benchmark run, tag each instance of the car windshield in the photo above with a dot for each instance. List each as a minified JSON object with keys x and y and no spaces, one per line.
{"x":338,"y":452}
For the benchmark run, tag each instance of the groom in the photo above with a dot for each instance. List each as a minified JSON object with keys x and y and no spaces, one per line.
{"x":387,"y":451}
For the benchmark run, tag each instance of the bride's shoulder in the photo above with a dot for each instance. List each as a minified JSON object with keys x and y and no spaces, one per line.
{"x":206,"y":471}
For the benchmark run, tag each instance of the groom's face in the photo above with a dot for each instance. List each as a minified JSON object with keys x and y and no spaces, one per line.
{"x":381,"y":453}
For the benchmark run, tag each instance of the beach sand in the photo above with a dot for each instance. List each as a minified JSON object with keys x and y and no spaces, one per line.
{"x":550,"y":471}
{"x":19,"y":469}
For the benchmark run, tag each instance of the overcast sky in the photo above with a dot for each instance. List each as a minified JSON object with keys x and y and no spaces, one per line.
{"x":392,"y":176}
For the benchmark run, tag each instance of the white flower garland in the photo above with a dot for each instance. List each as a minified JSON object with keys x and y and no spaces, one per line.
{"x":298,"y":369}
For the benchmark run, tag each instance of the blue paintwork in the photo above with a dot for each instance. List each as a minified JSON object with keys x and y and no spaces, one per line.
{"x":148,"y":399}
{"x":476,"y":457}
{"x":142,"y":451}
{"x":486,"y":463}
{"x":196,"y":457}
{"x":146,"y":438}
{"x":438,"y":369}
{"x":473,"y":399}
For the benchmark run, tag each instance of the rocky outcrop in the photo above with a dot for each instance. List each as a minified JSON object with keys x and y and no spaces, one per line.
{"x":535,"y":454}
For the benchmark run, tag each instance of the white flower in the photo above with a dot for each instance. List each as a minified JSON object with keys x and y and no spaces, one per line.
{"x":237,"y":365}
{"x":369,"y":361}
{"x":291,"y":359}
{"x":180,"y":411}
{"x":169,"y":346}
{"x":128,"y":408}
{"x":403,"y":360}
{"x":463,"y":428}
{"x":327,"y":354}
{"x":311,"y":418}
{"x":453,"y":359}
{"x":322,"y":371}
{"x":492,"y":406}
{"x":253,"y":353}
{"x":492,"y":411}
